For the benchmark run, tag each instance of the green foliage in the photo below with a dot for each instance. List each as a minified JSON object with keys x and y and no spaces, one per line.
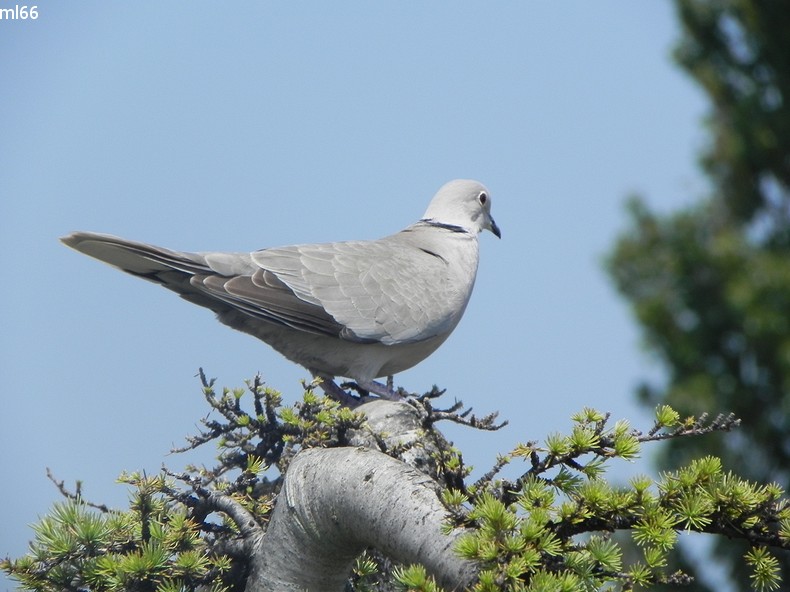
{"x":737,"y":51}
{"x":368,"y":573}
{"x":415,"y":578}
{"x":167,"y":540}
{"x":551,"y":528}
{"x":710,"y":284}
{"x":151,"y":546}
{"x":765,"y":569}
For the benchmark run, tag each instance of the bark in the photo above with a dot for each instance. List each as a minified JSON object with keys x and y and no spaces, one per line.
{"x":335,"y":503}
{"x":398,"y":425}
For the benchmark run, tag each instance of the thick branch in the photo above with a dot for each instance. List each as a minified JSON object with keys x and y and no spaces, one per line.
{"x":337,"y":502}
{"x":394,"y":425}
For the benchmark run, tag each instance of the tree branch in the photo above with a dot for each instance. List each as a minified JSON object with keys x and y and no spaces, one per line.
{"x":337,"y":502}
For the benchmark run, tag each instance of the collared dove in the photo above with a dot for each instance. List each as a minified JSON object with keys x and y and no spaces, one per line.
{"x":356,"y":309}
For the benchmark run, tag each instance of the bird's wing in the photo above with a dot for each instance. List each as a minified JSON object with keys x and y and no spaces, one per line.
{"x":386,"y":291}
{"x":262,"y":295}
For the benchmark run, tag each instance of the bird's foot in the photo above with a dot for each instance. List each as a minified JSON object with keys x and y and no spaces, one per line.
{"x":364,"y":389}
{"x":333,"y":391}
{"x":385,"y":391}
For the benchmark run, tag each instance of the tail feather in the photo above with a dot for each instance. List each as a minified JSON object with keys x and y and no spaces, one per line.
{"x":171,"y":269}
{"x":241,"y":293}
{"x":133,"y":257}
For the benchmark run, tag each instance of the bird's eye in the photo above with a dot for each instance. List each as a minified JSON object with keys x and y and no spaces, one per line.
{"x":482,"y":198}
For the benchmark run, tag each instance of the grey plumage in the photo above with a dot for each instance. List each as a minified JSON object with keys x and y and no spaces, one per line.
{"x":358,"y":309}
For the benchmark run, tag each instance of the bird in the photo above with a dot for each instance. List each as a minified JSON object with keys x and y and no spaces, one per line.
{"x":361,"y":310}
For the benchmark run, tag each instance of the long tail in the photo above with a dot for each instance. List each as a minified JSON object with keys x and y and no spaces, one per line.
{"x":171,"y":269}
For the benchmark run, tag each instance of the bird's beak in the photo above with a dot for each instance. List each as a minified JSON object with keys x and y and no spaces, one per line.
{"x":495,"y":229}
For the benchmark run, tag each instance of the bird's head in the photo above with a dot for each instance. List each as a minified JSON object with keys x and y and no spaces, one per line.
{"x":463,"y":203}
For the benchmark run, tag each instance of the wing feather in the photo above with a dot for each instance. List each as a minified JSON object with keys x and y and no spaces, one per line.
{"x":376,"y":290}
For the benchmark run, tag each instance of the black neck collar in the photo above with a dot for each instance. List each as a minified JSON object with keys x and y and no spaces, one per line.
{"x":442,"y":225}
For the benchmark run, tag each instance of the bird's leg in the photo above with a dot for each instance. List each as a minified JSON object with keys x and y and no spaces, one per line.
{"x":385,"y":391}
{"x":363,"y":387}
{"x":329,"y":386}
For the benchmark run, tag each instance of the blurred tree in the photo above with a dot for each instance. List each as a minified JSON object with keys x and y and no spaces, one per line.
{"x":710,"y":285}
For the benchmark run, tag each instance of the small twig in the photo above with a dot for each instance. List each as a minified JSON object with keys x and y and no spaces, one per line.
{"x":77,"y":495}
{"x":452,"y":414}
{"x":434,"y":393}
{"x":208,"y":384}
{"x":501,"y":463}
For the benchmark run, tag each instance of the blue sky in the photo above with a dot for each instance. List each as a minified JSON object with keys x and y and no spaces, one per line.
{"x":236,"y":126}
